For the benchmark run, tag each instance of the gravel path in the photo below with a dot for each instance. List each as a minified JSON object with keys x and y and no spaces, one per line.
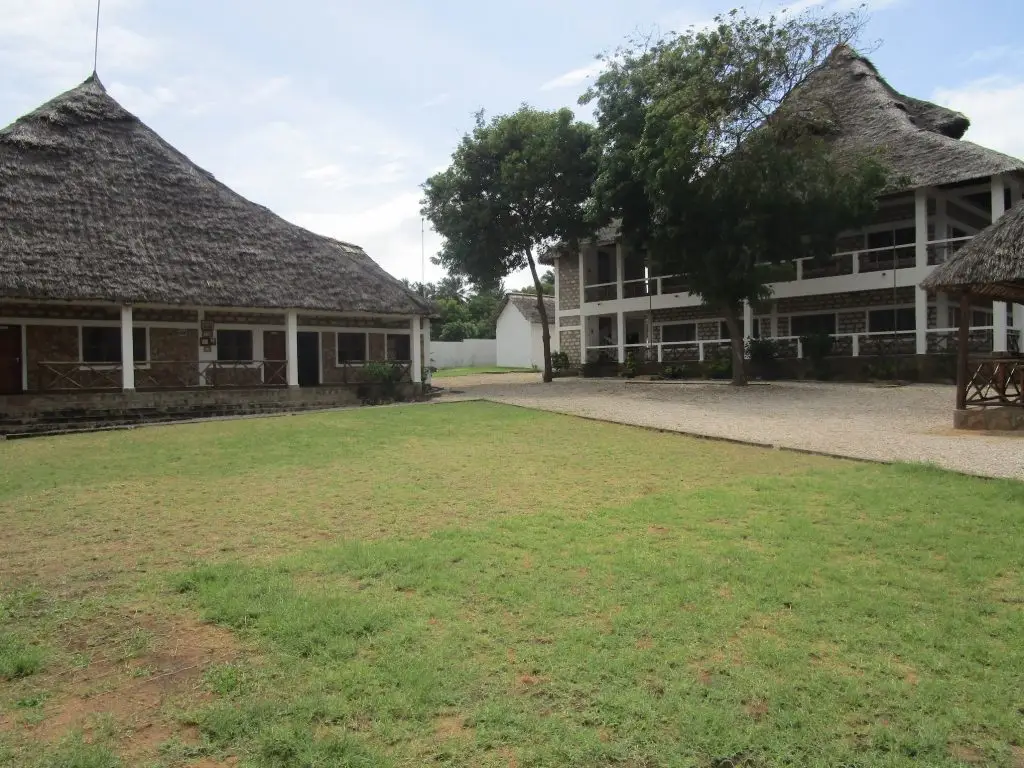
{"x":880,"y":423}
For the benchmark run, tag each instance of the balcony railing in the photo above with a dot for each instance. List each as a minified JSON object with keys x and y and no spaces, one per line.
{"x":845,"y":263}
{"x":996,"y":382}
{"x":163,"y":374}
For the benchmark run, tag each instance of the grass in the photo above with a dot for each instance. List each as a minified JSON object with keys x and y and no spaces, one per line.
{"x":447,"y":373}
{"x":472,"y":584}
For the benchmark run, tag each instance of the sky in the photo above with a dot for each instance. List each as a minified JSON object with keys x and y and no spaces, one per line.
{"x":333,"y":113}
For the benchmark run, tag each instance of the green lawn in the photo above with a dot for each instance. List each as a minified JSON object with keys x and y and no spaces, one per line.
{"x":479,"y":585}
{"x":447,"y":373}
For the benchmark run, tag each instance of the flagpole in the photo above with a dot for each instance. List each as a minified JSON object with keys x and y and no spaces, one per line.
{"x":96,"y":46}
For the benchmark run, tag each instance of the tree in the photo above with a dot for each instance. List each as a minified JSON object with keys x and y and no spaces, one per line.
{"x":515,"y":184}
{"x":547,"y":284}
{"x":714,"y":170}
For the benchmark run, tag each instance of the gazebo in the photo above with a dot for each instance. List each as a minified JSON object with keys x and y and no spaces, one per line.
{"x":989,"y":390}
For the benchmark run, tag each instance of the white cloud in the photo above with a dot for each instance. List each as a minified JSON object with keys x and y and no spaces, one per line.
{"x":439,"y":100}
{"x":994,"y":53}
{"x":995,"y":106}
{"x":574,"y":77}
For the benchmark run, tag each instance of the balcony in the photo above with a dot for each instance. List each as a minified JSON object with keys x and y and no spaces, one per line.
{"x":844,"y":266}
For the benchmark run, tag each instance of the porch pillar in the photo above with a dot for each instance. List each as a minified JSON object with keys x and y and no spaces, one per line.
{"x":583,"y":279}
{"x":417,"y":351}
{"x":620,"y":263}
{"x":426,"y":343}
{"x":998,"y":307}
{"x":963,"y":341}
{"x":774,"y":320}
{"x":920,"y":261}
{"x":127,"y":349}
{"x":748,"y":325}
{"x":291,"y":337}
{"x":620,"y":333}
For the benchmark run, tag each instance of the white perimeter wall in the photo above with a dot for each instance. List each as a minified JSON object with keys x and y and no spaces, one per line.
{"x":463,"y":354}
{"x":520,"y":342}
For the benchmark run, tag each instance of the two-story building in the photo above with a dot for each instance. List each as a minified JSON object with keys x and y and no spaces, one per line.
{"x":611,"y":305}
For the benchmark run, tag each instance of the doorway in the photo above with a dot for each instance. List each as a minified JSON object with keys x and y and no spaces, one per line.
{"x":10,"y":359}
{"x":309,"y":358}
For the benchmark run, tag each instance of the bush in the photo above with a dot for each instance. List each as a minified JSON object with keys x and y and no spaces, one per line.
{"x":763,"y":354}
{"x":384,"y":379}
{"x":559,"y":361}
{"x":719,"y":364}
{"x":817,"y":348}
{"x":629,"y":368}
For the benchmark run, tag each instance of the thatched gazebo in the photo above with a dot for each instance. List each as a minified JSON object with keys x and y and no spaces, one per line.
{"x":990,"y":391}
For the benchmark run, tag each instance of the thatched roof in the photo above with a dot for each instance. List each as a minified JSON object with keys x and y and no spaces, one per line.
{"x":526,"y":303}
{"x":95,"y":205}
{"x":920,"y":141}
{"x":991,"y":264}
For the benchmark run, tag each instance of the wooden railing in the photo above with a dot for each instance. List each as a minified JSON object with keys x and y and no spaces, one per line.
{"x":997,"y":381}
{"x":163,"y":374}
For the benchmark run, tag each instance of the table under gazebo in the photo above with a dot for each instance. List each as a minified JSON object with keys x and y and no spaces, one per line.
{"x":990,"y":389}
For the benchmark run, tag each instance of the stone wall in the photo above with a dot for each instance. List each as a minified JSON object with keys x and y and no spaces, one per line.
{"x":353,"y":322}
{"x":183,"y":316}
{"x":569,"y":342}
{"x":568,"y":282}
{"x":676,"y":314}
{"x":569,"y":321}
{"x":244,"y":318}
{"x":58,"y":311}
{"x":50,"y":344}
{"x":850,"y":300}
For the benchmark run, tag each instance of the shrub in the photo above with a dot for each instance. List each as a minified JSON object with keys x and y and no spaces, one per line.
{"x":629,"y":368}
{"x":817,"y":348}
{"x":384,"y":379}
{"x":719,"y":364}
{"x":559,"y":361}
{"x":763,"y":354}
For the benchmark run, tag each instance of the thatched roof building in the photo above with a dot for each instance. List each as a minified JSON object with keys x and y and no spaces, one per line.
{"x":526,"y":303}
{"x":991,"y":264}
{"x":920,"y":141}
{"x":96,"y":206}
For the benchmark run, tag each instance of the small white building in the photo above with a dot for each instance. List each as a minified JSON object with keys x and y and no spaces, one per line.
{"x":519,"y":332}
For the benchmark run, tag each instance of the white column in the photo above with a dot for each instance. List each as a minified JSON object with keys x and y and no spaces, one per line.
{"x":920,"y":261}
{"x":584,"y":337}
{"x":426,"y":339}
{"x":619,"y":270}
{"x":291,"y":341}
{"x":620,"y":333}
{"x":774,"y":320}
{"x":417,"y":351}
{"x":998,"y":307}
{"x":127,"y":349}
{"x":748,"y":325}
{"x":583,"y":280}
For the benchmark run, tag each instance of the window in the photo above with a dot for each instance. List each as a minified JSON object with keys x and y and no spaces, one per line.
{"x":234,"y":345}
{"x":809,"y":325}
{"x":980,"y":318}
{"x":103,"y":345}
{"x":882,"y":320}
{"x":679,"y":332}
{"x":901,"y":241}
{"x":351,"y":347}
{"x":399,"y":347}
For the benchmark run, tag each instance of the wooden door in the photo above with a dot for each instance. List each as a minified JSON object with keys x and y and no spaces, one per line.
{"x":275,"y":353}
{"x":10,"y":359}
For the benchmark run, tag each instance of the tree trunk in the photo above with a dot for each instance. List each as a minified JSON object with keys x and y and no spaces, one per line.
{"x":545,"y":332}
{"x":737,"y":343}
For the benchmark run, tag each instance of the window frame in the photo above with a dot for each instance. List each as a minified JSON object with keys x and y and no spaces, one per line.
{"x":387,"y":347}
{"x":691,"y":323}
{"x":338,"y":362}
{"x":904,"y":310}
{"x":793,"y":318}
{"x":252,"y":345}
{"x":143,"y":329}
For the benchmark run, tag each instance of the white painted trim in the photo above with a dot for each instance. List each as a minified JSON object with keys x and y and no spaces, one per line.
{"x":569,"y":327}
{"x":291,"y":346}
{"x":24,"y":358}
{"x":320,"y":356}
{"x":415,"y":350}
{"x":128,"y":349}
{"x":998,"y":193}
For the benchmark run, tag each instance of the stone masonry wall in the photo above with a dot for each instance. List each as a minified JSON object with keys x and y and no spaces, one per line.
{"x":245,"y":318}
{"x":676,"y":314}
{"x":58,"y":311}
{"x":570,"y":344}
{"x":48,"y":343}
{"x":851,"y":300}
{"x":568,"y":282}
{"x":353,"y":322}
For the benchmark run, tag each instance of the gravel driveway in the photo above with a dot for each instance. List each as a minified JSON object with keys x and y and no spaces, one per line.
{"x":912,"y":423}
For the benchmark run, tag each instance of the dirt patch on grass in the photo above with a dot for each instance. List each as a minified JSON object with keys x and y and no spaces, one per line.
{"x":125,"y":699}
{"x":452,"y":727}
{"x":966,"y":754}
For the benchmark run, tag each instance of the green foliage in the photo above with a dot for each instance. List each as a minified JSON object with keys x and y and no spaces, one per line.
{"x":515,"y":184}
{"x":384,"y":379}
{"x":629,"y":368}
{"x":817,"y":348}
{"x":559,"y":361}
{"x":700,"y":175}
{"x":76,"y":753}
{"x":547,"y":285}
{"x":764,"y":354}
{"x":18,"y":658}
{"x":718,"y":363}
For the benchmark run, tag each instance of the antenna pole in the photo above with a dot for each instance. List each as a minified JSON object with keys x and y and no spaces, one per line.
{"x":423,"y":250}
{"x":96,"y":47}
